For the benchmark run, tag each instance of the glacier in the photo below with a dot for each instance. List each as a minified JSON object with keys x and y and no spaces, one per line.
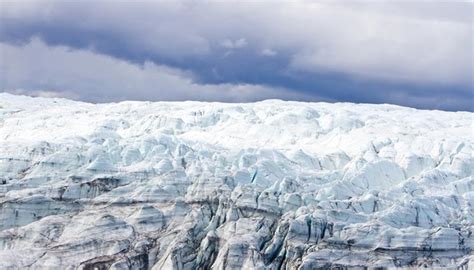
{"x":265,"y":185}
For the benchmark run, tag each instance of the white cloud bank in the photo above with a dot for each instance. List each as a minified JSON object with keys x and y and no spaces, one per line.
{"x":82,"y":74}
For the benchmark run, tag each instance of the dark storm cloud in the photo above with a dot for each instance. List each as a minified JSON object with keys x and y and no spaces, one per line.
{"x":416,"y":54}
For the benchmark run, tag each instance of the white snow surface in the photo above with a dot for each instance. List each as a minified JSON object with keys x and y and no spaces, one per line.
{"x":265,"y":185}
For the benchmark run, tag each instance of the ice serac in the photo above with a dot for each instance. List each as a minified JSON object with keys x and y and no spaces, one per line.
{"x":266,"y":185}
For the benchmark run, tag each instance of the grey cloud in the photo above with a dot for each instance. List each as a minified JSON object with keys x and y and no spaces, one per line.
{"x":380,"y":40}
{"x":401,"y":50}
{"x":80,"y":74}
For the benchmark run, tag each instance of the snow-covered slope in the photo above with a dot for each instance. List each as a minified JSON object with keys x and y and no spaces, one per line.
{"x":266,"y":185}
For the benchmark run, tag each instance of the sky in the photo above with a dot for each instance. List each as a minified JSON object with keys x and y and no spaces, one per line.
{"x":410,"y":53}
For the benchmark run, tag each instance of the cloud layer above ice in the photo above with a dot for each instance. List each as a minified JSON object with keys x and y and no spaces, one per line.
{"x":410,"y":53}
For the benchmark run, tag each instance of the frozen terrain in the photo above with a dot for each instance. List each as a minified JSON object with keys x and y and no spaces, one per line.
{"x":266,"y":185}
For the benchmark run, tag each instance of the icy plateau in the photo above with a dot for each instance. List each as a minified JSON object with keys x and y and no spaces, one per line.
{"x":265,"y":185}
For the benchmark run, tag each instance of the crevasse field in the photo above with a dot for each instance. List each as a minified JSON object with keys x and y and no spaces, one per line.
{"x":265,"y":185}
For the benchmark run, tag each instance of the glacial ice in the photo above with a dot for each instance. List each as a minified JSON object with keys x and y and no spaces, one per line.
{"x":265,"y":185}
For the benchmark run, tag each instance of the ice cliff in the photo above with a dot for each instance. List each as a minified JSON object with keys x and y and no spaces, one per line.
{"x":266,"y":185}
